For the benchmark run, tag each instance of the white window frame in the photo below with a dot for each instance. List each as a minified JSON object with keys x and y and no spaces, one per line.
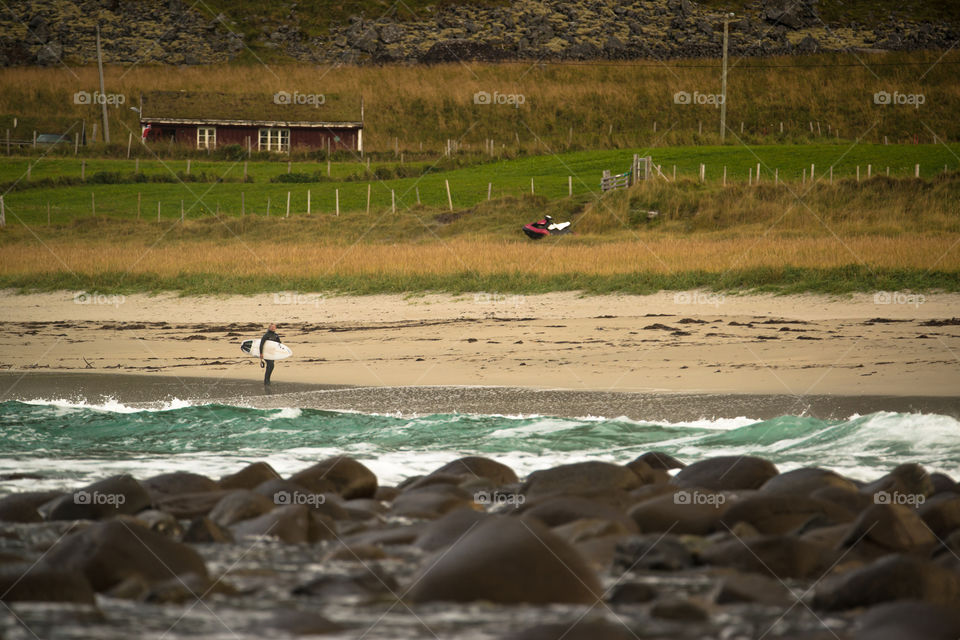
{"x":206,"y":137}
{"x":273,"y":139}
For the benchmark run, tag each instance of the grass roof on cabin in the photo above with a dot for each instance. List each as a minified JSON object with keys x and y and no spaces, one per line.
{"x":284,"y":106}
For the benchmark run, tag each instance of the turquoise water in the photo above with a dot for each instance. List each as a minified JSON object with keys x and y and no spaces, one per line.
{"x":68,"y":443}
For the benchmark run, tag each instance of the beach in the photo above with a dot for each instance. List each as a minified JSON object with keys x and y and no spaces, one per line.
{"x":886,"y":344}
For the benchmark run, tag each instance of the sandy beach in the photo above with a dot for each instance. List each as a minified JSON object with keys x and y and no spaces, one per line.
{"x":692,"y":342}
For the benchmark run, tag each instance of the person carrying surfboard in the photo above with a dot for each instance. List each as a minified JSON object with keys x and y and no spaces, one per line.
{"x":271,"y":334}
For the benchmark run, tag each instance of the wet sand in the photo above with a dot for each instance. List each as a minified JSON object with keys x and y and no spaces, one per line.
{"x":146,"y":390}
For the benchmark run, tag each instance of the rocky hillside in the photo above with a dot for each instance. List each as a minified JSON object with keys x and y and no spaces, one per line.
{"x":46,"y":32}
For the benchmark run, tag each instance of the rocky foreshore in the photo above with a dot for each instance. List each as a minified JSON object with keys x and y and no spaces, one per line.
{"x":723,"y":547}
{"x":46,"y":32}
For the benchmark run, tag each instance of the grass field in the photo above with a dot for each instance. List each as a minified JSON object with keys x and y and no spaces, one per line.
{"x":565,"y":107}
{"x":552,"y":176}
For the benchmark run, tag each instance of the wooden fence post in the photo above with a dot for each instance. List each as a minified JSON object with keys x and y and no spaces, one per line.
{"x":869,"y":171}
{"x":916,"y":171}
{"x":83,"y":171}
{"x":724,"y":175}
{"x":489,"y":190}
{"x":244,"y":171}
{"x":129,"y":142}
{"x":569,"y":187}
{"x":450,"y":199}
{"x":750,"y":177}
{"x":393,"y":201}
{"x":243,"y":204}
{"x":3,"y":214}
{"x":268,"y":206}
{"x":858,"y":173}
{"x":811,"y":172}
{"x":308,"y":201}
{"x":531,"y":187}
{"x":776,"y":177}
{"x":288,"y":204}
{"x":188,"y":166}
{"x":758,"y":173}
{"x":337,"y":192}
{"x":368,"y":197}
{"x":417,"y":189}
{"x":703,"y":172}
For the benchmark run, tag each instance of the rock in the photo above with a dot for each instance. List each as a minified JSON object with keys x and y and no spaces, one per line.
{"x":557,"y":510}
{"x":293,"y":622}
{"x":579,"y":477}
{"x":577,"y":629}
{"x":392,"y":32}
{"x":369,"y":582}
{"x":690,"y":512}
{"x":191,"y":505}
{"x":249,"y":477}
{"x":908,"y":620}
{"x":432,"y":501}
{"x":161,"y":522}
{"x":294,"y":524}
{"x":104,"y":499}
{"x":449,"y":529}
{"x":588,"y":529}
{"x":808,"y":45}
{"x":23,"y":507}
{"x":632,"y":593}
{"x":780,"y":556}
{"x":941,"y":514}
{"x":755,"y":588}
{"x":38,"y":583}
{"x":652,"y":553}
{"x":204,"y":530}
{"x":507,"y":560}
{"x":782,"y":514}
{"x":726,"y":473}
{"x":805,"y":481}
{"x":646,"y":473}
{"x":659,"y":460}
{"x":349,"y":478}
{"x":893,"y":577}
{"x":240,"y":505}
{"x":386,"y":536}
{"x":907,"y":482}
{"x":178,"y":483}
{"x":679,"y":609}
{"x":893,"y":527}
{"x":943,"y":483}
{"x":479,"y":467}
{"x":109,"y":552}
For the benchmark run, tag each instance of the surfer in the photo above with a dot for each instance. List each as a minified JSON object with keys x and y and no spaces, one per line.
{"x":271,"y":334}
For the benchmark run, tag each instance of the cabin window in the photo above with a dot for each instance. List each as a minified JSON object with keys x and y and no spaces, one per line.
{"x":274,"y":139}
{"x":206,"y":138}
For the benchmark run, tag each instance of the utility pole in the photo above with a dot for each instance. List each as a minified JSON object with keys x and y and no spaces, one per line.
{"x":103,"y":95}
{"x":723,"y":80}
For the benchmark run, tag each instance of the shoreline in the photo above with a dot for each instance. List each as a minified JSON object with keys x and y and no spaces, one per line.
{"x":694,"y":342}
{"x":146,"y":391}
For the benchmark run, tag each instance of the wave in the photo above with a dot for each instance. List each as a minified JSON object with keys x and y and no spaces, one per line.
{"x":71,"y":439}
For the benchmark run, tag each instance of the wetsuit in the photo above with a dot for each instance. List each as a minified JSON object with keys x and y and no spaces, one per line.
{"x":269,"y":335}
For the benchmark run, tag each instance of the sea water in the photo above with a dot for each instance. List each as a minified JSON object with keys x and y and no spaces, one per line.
{"x":67,"y":444}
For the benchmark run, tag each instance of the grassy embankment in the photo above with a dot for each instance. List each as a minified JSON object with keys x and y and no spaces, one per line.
{"x":566,"y":106}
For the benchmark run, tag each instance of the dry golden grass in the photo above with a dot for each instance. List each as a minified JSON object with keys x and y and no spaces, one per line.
{"x":652,"y":253}
{"x":603,"y":105}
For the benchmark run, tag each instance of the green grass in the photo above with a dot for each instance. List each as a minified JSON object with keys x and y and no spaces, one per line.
{"x":783,"y":281}
{"x":468,"y":185}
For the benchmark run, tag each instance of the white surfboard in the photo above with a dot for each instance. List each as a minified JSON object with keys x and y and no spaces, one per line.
{"x":271,"y":350}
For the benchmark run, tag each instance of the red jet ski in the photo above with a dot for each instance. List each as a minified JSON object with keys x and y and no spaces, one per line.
{"x":545,"y":227}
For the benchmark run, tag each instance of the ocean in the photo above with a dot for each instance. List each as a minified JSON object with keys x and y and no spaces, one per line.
{"x":69,"y":443}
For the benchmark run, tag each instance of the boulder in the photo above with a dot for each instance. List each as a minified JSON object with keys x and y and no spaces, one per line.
{"x":558,"y":510}
{"x":681,"y":512}
{"x":203,"y":530}
{"x":893,"y":527}
{"x":443,"y":532}
{"x":783,"y":514}
{"x":908,"y":620}
{"x":348,"y":477}
{"x":39,"y":583}
{"x":480,"y":467}
{"x":579,"y":477}
{"x":23,"y":507}
{"x":892,"y":577}
{"x":653,"y":552}
{"x":726,"y":473}
{"x":108,"y":553}
{"x":781,"y":557}
{"x":941,"y":513}
{"x":294,"y":524}
{"x":805,"y":481}
{"x":238,"y":505}
{"x":115,"y":495}
{"x":508,"y":561}
{"x":177,"y":483}
{"x":754,"y":588}
{"x":249,"y":477}
{"x":191,"y":505}
{"x":907,"y":482}
{"x":659,"y":460}
{"x":432,"y":501}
